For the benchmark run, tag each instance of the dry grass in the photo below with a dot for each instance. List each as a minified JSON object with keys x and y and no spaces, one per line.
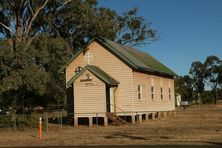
{"x":199,"y":126}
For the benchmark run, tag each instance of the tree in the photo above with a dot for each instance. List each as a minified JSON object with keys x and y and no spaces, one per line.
{"x":133,"y":31}
{"x":198,"y":72}
{"x":33,"y":49}
{"x":212,"y":66}
{"x":80,"y":21}
{"x":33,"y":72}
{"x":220,"y":74}
{"x":184,"y":87}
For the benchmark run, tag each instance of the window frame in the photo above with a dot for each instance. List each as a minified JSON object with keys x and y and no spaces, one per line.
{"x":152,"y":92}
{"x":161,"y":93}
{"x":169,"y":90}
{"x":139,"y":92}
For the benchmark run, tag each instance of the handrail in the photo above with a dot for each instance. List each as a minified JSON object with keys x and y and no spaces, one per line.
{"x":119,"y":109}
{"x":116,"y":107}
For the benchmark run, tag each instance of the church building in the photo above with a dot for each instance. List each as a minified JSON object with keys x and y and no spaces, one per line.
{"x":114,"y":82}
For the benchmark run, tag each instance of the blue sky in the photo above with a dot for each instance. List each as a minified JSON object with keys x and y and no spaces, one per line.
{"x":189,"y":30}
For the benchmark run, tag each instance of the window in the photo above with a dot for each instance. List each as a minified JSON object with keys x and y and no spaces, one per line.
{"x":78,"y":69}
{"x":139,"y":90}
{"x":169,"y":94}
{"x":152,"y":92}
{"x":161,"y":93}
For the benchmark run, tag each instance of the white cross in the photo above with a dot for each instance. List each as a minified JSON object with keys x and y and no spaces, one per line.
{"x":88,"y":57}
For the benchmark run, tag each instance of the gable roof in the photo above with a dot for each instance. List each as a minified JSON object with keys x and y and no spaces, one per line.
{"x":99,"y":73}
{"x":136,"y":59}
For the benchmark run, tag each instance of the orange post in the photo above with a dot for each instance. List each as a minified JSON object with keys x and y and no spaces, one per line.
{"x":40,"y":128}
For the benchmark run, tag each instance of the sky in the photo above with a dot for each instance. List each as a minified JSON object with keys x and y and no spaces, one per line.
{"x":188,"y":30}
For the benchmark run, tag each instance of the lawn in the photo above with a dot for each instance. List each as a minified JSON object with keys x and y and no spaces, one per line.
{"x":196,"y":125}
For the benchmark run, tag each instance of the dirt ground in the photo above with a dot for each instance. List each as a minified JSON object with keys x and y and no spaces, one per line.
{"x":197,"y":125}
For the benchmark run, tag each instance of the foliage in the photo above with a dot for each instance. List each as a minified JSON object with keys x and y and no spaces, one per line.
{"x":27,"y":120}
{"x":133,"y":30}
{"x":207,"y":97}
{"x":208,"y":73}
{"x":34,"y":44}
{"x":212,"y":65}
{"x":183,"y":86}
{"x":5,"y":121}
{"x":30,"y":76}
{"x":22,"y":120}
{"x":197,"y":72}
{"x":80,"y":21}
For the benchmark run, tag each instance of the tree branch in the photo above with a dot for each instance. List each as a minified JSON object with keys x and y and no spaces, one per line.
{"x":6,"y":27}
{"x":66,"y":2}
{"x":11,"y":4}
{"x":30,"y":8}
{"x":34,"y":17}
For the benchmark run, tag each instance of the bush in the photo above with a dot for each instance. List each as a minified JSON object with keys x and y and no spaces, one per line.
{"x":5,"y":121}
{"x":30,"y":120}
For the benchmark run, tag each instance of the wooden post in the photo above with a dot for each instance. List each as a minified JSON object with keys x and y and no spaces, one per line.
{"x":133,"y":119}
{"x":140,"y":118}
{"x":164,"y":114}
{"x":105,"y":121}
{"x":75,"y":121}
{"x":90,"y":121}
{"x":147,"y":117}
{"x":47,"y":121}
{"x":153,"y":115}
{"x":159,"y":114}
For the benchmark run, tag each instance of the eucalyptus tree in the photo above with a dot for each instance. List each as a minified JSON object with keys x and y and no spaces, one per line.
{"x":80,"y":21}
{"x":213,"y":72}
{"x":33,"y":42}
{"x":198,"y":74}
{"x":25,"y":57}
{"x":184,"y":87}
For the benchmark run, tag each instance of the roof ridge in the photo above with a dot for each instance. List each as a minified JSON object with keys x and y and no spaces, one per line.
{"x":134,"y":58}
{"x":140,"y":59}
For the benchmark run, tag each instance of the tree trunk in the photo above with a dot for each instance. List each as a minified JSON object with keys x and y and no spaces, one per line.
{"x":13,"y":117}
{"x":199,"y":97}
{"x":215,"y":96}
{"x":13,"y":112}
{"x":19,"y":30}
{"x":19,"y":27}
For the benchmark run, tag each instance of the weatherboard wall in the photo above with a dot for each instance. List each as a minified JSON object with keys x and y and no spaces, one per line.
{"x":109,"y":63}
{"x":89,"y":95}
{"x":146,"y":103}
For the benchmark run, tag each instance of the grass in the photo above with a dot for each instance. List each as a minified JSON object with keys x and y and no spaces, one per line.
{"x":198,"y":126}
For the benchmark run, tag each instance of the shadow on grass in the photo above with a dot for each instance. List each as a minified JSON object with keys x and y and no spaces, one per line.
{"x":121,"y":135}
{"x":132,"y":146}
{"x":213,"y":143}
{"x":131,"y":137}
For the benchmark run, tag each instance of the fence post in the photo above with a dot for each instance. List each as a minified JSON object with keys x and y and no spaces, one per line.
{"x":46,"y":121}
{"x":40,"y":128}
{"x":177,"y":113}
{"x":61,"y":118}
{"x":13,"y":119}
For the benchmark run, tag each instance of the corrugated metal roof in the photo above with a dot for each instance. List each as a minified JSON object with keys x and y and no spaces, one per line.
{"x":136,"y":59}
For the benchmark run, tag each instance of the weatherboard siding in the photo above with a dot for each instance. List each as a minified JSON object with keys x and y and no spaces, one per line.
{"x":147,"y":103}
{"x":89,"y":96}
{"x":70,"y":69}
{"x":109,"y":63}
{"x":126,"y":94}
